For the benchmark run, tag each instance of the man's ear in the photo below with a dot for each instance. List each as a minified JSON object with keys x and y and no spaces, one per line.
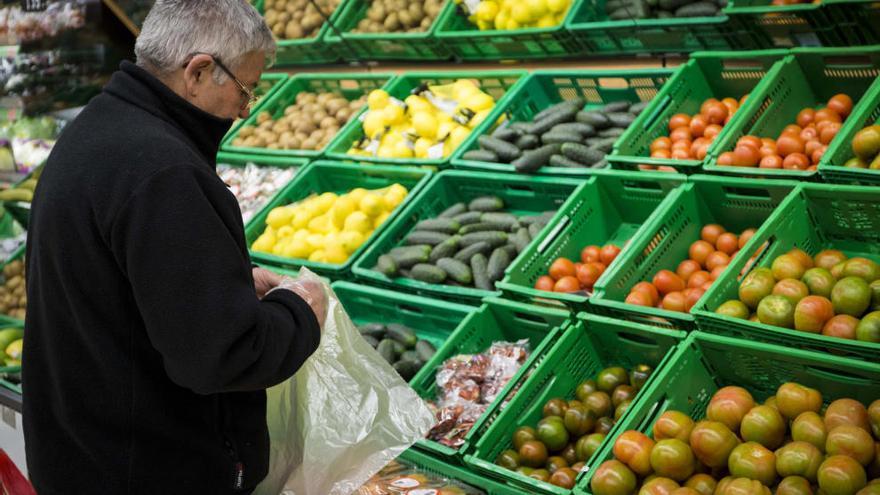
{"x":196,"y":72}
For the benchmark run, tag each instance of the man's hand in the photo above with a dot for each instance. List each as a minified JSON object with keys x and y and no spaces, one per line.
{"x":264,"y":281}
{"x":310,"y":291}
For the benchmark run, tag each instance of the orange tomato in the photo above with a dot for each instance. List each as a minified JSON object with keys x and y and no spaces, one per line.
{"x":562,"y":268}
{"x":648,"y":289}
{"x":796,"y":161}
{"x":681,"y":155}
{"x":590,"y":254}
{"x":829,"y":115}
{"x":753,"y":141}
{"x":743,"y":99}
{"x":745,"y":155}
{"x":768,"y":149}
{"x":665,"y":154}
{"x":704,"y":108}
{"x":731,"y":104}
{"x":716,"y":113}
{"x":745,"y":236}
{"x":806,"y":117}
{"x":809,"y":133}
{"x":727,"y":243}
{"x":588,"y":274}
{"x":812,"y":146}
{"x":674,"y":301}
{"x":842,"y":104}
{"x":716,"y":259}
{"x":545,"y":283}
{"x":637,"y":298}
{"x":726,"y":159}
{"x":793,"y":129}
{"x":817,"y":155}
{"x":679,"y":120}
{"x":567,"y":284}
{"x":699,"y":278}
{"x":712,"y":131}
{"x":661,"y":143}
{"x":680,"y":134}
{"x":698,"y":125}
{"x":682,"y":144}
{"x":716,"y":272}
{"x":700,"y":250}
{"x":608,"y":254}
{"x":711,"y":232}
{"x":829,"y":132}
{"x":687,"y":268}
{"x":666,"y":281}
{"x":771,"y":161}
{"x":788,"y":144}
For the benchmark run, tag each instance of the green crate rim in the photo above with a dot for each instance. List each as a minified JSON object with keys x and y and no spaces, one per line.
{"x":280,"y":92}
{"x":329,"y":268}
{"x":438,"y":290}
{"x":353,"y":128}
{"x":459,"y":162}
{"x":420,"y":36}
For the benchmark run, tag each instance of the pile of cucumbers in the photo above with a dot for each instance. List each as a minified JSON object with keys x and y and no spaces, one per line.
{"x":618,"y":10}
{"x":468,"y":245}
{"x":400,"y":346}
{"x":563,"y":135}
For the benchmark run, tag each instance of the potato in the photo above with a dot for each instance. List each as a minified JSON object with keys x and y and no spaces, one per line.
{"x":294,"y":30}
{"x":280,"y":14}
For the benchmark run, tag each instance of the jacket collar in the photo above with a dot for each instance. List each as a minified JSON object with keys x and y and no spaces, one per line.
{"x":140,"y":88}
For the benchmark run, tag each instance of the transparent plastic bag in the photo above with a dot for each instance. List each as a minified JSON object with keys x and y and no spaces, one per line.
{"x":342,"y":417}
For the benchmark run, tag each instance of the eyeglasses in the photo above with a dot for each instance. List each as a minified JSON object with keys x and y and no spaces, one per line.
{"x":246,"y":92}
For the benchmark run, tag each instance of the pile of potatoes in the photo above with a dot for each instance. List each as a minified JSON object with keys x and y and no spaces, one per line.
{"x":399,"y":16}
{"x":308,"y":124}
{"x":13,"y":296}
{"x":297,"y":19}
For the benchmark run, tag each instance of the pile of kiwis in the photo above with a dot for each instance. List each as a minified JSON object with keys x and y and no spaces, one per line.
{"x":308,"y":124}
{"x":297,"y":19}
{"x":13,"y":296}
{"x":399,"y":16}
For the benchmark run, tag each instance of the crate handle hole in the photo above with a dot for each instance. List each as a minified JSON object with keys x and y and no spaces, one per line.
{"x":642,"y":185}
{"x":849,"y":62}
{"x":837,"y":374}
{"x":521,"y":189}
{"x":613,"y":82}
{"x":529,"y":319}
{"x":638,"y":339}
{"x":747,"y":192}
{"x":410,"y":309}
{"x":742,"y":64}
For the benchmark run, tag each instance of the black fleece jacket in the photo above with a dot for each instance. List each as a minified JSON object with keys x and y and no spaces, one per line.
{"x":147,"y":351}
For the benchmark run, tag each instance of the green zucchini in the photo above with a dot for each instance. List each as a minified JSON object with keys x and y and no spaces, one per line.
{"x":492,"y":238}
{"x":581,"y":154}
{"x":466,"y":254}
{"x":596,"y":119}
{"x":585,"y":130}
{"x":616,"y":106}
{"x":412,"y":255}
{"x":504,"y":150}
{"x":442,"y":225}
{"x":478,"y":227}
{"x":386,"y":265}
{"x":560,"y":137}
{"x":576,"y":103}
{"x":456,"y":270}
{"x":528,"y":142}
{"x":468,"y":218}
{"x":567,"y":114}
{"x":375,"y":330}
{"x":498,"y":262}
{"x":486,"y":203}
{"x":425,"y":350}
{"x":445,"y":249}
{"x":521,"y":239}
{"x":403,"y":334}
{"x":453,"y":210}
{"x":480,"y":156}
{"x":386,"y":350}
{"x":564,"y":162}
{"x":621,"y":119}
{"x":430,"y":274}
{"x":480,"y":269}
{"x":533,"y":160}
{"x":506,"y":134}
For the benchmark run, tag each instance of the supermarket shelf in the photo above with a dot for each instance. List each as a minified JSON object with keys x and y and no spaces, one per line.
{"x":10,"y":399}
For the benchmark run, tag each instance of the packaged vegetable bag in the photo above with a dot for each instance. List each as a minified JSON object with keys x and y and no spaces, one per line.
{"x":342,"y":417}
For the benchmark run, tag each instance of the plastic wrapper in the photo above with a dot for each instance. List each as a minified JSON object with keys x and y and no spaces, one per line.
{"x":400,"y":479}
{"x":254,"y":186}
{"x":468,"y":384}
{"x":343,"y":417}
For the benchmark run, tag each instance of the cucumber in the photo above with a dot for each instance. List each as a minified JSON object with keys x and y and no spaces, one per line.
{"x":480,"y":156}
{"x":560,"y":137}
{"x":486,"y":203}
{"x":386,"y":350}
{"x":410,"y":356}
{"x":466,"y":254}
{"x":375,"y":330}
{"x":563,"y":162}
{"x":480,"y":269}
{"x":521,"y":127}
{"x":612,"y":132}
{"x":504,"y":150}
{"x":581,"y":154}
{"x":468,"y":218}
{"x":577,"y":103}
{"x":616,"y":106}
{"x":529,"y":141}
{"x":604,"y":145}
{"x":566,"y":114}
{"x":371,"y":340}
{"x":501,"y":221}
{"x":425,"y":350}
{"x":699,"y":9}
{"x":672,"y":5}
{"x":477,"y":227}
{"x":521,"y":239}
{"x":386,"y":265}
{"x":535,"y":229}
{"x":456,"y":270}
{"x":413,"y":255}
{"x":442,"y":225}
{"x":596,"y":119}
{"x":621,"y":119}
{"x":403,"y":334}
{"x":533,"y":160}
{"x":506,"y":134}
{"x":493,"y":239}
{"x":425,"y":237}
{"x":444,"y":249}
{"x":430,"y":274}
{"x":639,"y":107}
{"x":456,"y":209}
{"x":585,"y":130}
{"x":498,"y":262}
{"x":399,"y":348}
{"x":406,"y":369}
{"x":510,"y":247}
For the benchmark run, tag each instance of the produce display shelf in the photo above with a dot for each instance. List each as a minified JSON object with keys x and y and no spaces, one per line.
{"x":497,"y":320}
{"x":320,"y":177}
{"x":814,"y":218}
{"x":786,"y":26}
{"x":543,"y":89}
{"x":6,"y":381}
{"x":469,"y":43}
{"x":349,"y":85}
{"x":597,"y":34}
{"x":590,"y":345}
{"x":498,"y":84}
{"x":522,"y":195}
{"x":808,"y":78}
{"x":268,"y":85}
{"x":664,"y":241}
{"x":6,"y":320}
{"x":857,"y":21}
{"x":704,"y":363}
{"x":832,"y":168}
{"x":437,"y":467}
{"x":610,"y":208}
{"x":385,"y":46}
{"x":312,"y":50}
{"x":705,"y":75}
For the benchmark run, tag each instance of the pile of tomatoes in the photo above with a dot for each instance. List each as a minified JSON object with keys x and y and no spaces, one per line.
{"x":690,"y":136}
{"x":569,"y":276}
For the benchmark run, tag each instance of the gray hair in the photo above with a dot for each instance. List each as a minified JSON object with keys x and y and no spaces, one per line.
{"x":174,"y":30}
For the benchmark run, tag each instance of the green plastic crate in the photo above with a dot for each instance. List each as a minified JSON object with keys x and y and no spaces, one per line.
{"x":522,"y":195}
{"x":351,"y":86}
{"x":786,"y":26}
{"x":592,"y":344}
{"x":542,"y":89}
{"x":306,"y":51}
{"x":736,"y":204}
{"x":816,"y":217}
{"x":610,"y":208}
{"x":357,"y":47}
{"x":469,"y":43}
{"x":320,"y":177}
{"x":706,"y":75}
{"x":704,"y":363}
{"x":596,"y":34}
{"x":269,"y":83}
{"x":857,"y":21}
{"x":499,"y":84}
{"x":437,"y":467}
{"x":6,"y":320}
{"x":497,"y":320}
{"x":808,"y":78}
{"x":432,"y":320}
{"x":865,"y":113}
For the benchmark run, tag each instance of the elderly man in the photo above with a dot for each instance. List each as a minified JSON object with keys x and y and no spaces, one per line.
{"x":150,"y":339}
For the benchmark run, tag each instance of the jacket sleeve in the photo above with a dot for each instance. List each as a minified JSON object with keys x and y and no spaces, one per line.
{"x":194,"y":290}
